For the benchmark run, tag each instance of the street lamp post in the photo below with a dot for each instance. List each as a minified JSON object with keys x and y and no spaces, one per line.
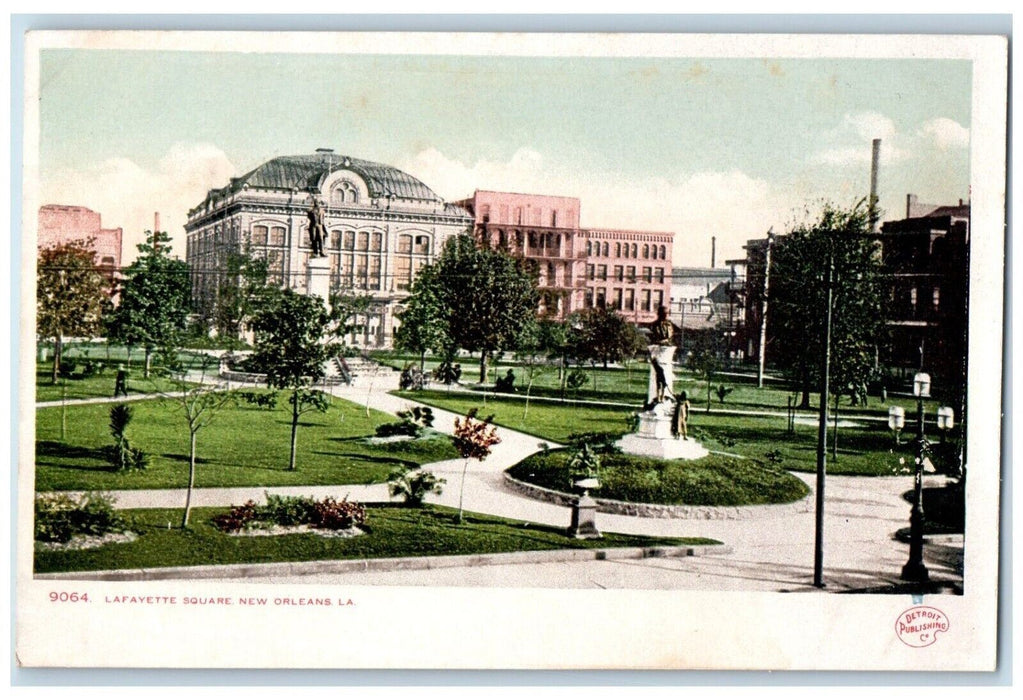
{"x":915,"y":570}
{"x":896,"y":421}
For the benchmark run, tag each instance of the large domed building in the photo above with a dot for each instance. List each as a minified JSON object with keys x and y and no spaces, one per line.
{"x":382,"y":226}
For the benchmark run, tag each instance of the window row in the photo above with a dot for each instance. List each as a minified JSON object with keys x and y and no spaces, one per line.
{"x":625,"y":273}
{"x":627,"y":250}
{"x":625,"y":299}
{"x":349,"y":240}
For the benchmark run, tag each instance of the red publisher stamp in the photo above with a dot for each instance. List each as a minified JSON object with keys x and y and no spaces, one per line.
{"x":921,"y":625}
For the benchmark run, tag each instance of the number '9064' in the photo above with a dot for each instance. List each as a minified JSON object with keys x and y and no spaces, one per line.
{"x":65,"y":597}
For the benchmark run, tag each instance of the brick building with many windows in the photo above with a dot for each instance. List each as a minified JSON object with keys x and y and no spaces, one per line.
{"x":61,"y":223}
{"x":577,"y":268}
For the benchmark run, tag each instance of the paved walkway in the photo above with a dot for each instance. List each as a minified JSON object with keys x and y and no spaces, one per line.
{"x":772,"y":551}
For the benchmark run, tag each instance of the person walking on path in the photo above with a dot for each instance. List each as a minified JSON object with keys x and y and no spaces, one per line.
{"x":121,"y":382}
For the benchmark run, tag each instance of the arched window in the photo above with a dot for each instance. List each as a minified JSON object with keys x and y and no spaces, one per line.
{"x":335,"y":240}
{"x":259,"y":234}
{"x":634,"y":250}
{"x":344,"y":192}
{"x":646,"y":251}
{"x":589,"y":247}
{"x":278,"y":236}
{"x":664,"y":252}
{"x":618,"y":250}
{"x":607,"y":249}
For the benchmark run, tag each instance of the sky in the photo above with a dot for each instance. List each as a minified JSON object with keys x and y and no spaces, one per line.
{"x":702,"y":147}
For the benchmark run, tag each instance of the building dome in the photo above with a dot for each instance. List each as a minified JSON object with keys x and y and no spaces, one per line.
{"x":307,"y":172}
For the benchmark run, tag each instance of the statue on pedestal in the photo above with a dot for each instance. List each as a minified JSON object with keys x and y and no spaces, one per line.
{"x":317,"y":229}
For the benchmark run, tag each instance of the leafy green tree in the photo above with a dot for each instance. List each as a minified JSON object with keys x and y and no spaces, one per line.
{"x":71,"y":295}
{"x":155,"y":299}
{"x":705,"y":358}
{"x":488,"y":298}
{"x":246,"y":282}
{"x":840,"y":240}
{"x":424,"y":321}
{"x":604,"y":335}
{"x":293,"y":342}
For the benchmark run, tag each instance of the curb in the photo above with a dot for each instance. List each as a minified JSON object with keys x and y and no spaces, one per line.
{"x":383,"y":565}
{"x":657,"y":510}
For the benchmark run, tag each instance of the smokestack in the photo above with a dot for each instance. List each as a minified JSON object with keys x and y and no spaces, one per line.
{"x":713,"y":249}
{"x":156,"y":221}
{"x":875,"y":158}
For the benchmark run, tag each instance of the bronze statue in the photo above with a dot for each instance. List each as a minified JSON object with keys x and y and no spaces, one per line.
{"x":662,"y":332}
{"x":317,"y":230}
{"x":679,"y":427}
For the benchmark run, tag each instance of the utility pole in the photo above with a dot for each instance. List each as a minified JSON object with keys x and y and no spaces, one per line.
{"x":822,"y":424}
{"x":763,"y":310}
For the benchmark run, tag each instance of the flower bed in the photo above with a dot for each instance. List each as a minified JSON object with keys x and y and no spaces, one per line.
{"x":289,"y":514}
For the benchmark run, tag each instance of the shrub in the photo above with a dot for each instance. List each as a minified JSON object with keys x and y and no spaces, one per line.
{"x":339,"y":515}
{"x":398,"y":428}
{"x":414,"y":485}
{"x":290,"y":511}
{"x":287,"y":510}
{"x":413,"y":421}
{"x":239,"y":517}
{"x":121,"y":454}
{"x":60,"y":517}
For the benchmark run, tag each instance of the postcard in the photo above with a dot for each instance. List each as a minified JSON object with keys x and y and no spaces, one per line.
{"x":510,"y":351}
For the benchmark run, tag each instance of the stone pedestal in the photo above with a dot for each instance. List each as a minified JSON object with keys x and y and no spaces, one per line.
{"x":584,"y":519}
{"x":317,"y":279}
{"x":654,"y":438}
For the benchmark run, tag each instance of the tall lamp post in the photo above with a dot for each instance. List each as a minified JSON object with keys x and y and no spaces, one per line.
{"x":915,"y":569}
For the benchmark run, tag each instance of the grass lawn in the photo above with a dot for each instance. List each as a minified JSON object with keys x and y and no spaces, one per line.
{"x":244,"y":446}
{"x":393,"y":532}
{"x":866,"y":450}
{"x":629,"y":385}
{"x":550,"y":421}
{"x":714,"y":480}
{"x":97,"y":386}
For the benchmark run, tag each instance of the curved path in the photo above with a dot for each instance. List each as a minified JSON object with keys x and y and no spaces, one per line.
{"x":772,"y":551}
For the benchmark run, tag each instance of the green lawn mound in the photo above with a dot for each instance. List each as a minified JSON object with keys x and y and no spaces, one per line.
{"x":714,"y":480}
{"x":391,"y":531}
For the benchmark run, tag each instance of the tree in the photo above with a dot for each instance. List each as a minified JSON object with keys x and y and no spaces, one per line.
{"x":239,"y":295}
{"x":840,"y":240}
{"x":200,"y":403}
{"x":488,"y":298}
{"x":155,"y":299}
{"x":424,"y":321}
{"x":473,"y":439}
{"x":70,"y":295}
{"x":293,"y":342}
{"x":603,"y":335}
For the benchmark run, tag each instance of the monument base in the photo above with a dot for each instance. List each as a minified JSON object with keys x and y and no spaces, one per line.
{"x":654,"y":438}
{"x":317,"y":278}
{"x":584,"y":519}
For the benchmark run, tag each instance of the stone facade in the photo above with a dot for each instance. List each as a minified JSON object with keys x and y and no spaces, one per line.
{"x":383,"y":225}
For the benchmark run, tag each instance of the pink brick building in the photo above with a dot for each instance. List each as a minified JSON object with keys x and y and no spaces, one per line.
{"x":577,"y":268}
{"x":59,"y":223}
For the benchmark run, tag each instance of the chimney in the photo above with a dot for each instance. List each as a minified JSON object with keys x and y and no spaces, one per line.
{"x":156,"y":229}
{"x":713,"y":249}
{"x":910,"y":201}
{"x":875,"y":159}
